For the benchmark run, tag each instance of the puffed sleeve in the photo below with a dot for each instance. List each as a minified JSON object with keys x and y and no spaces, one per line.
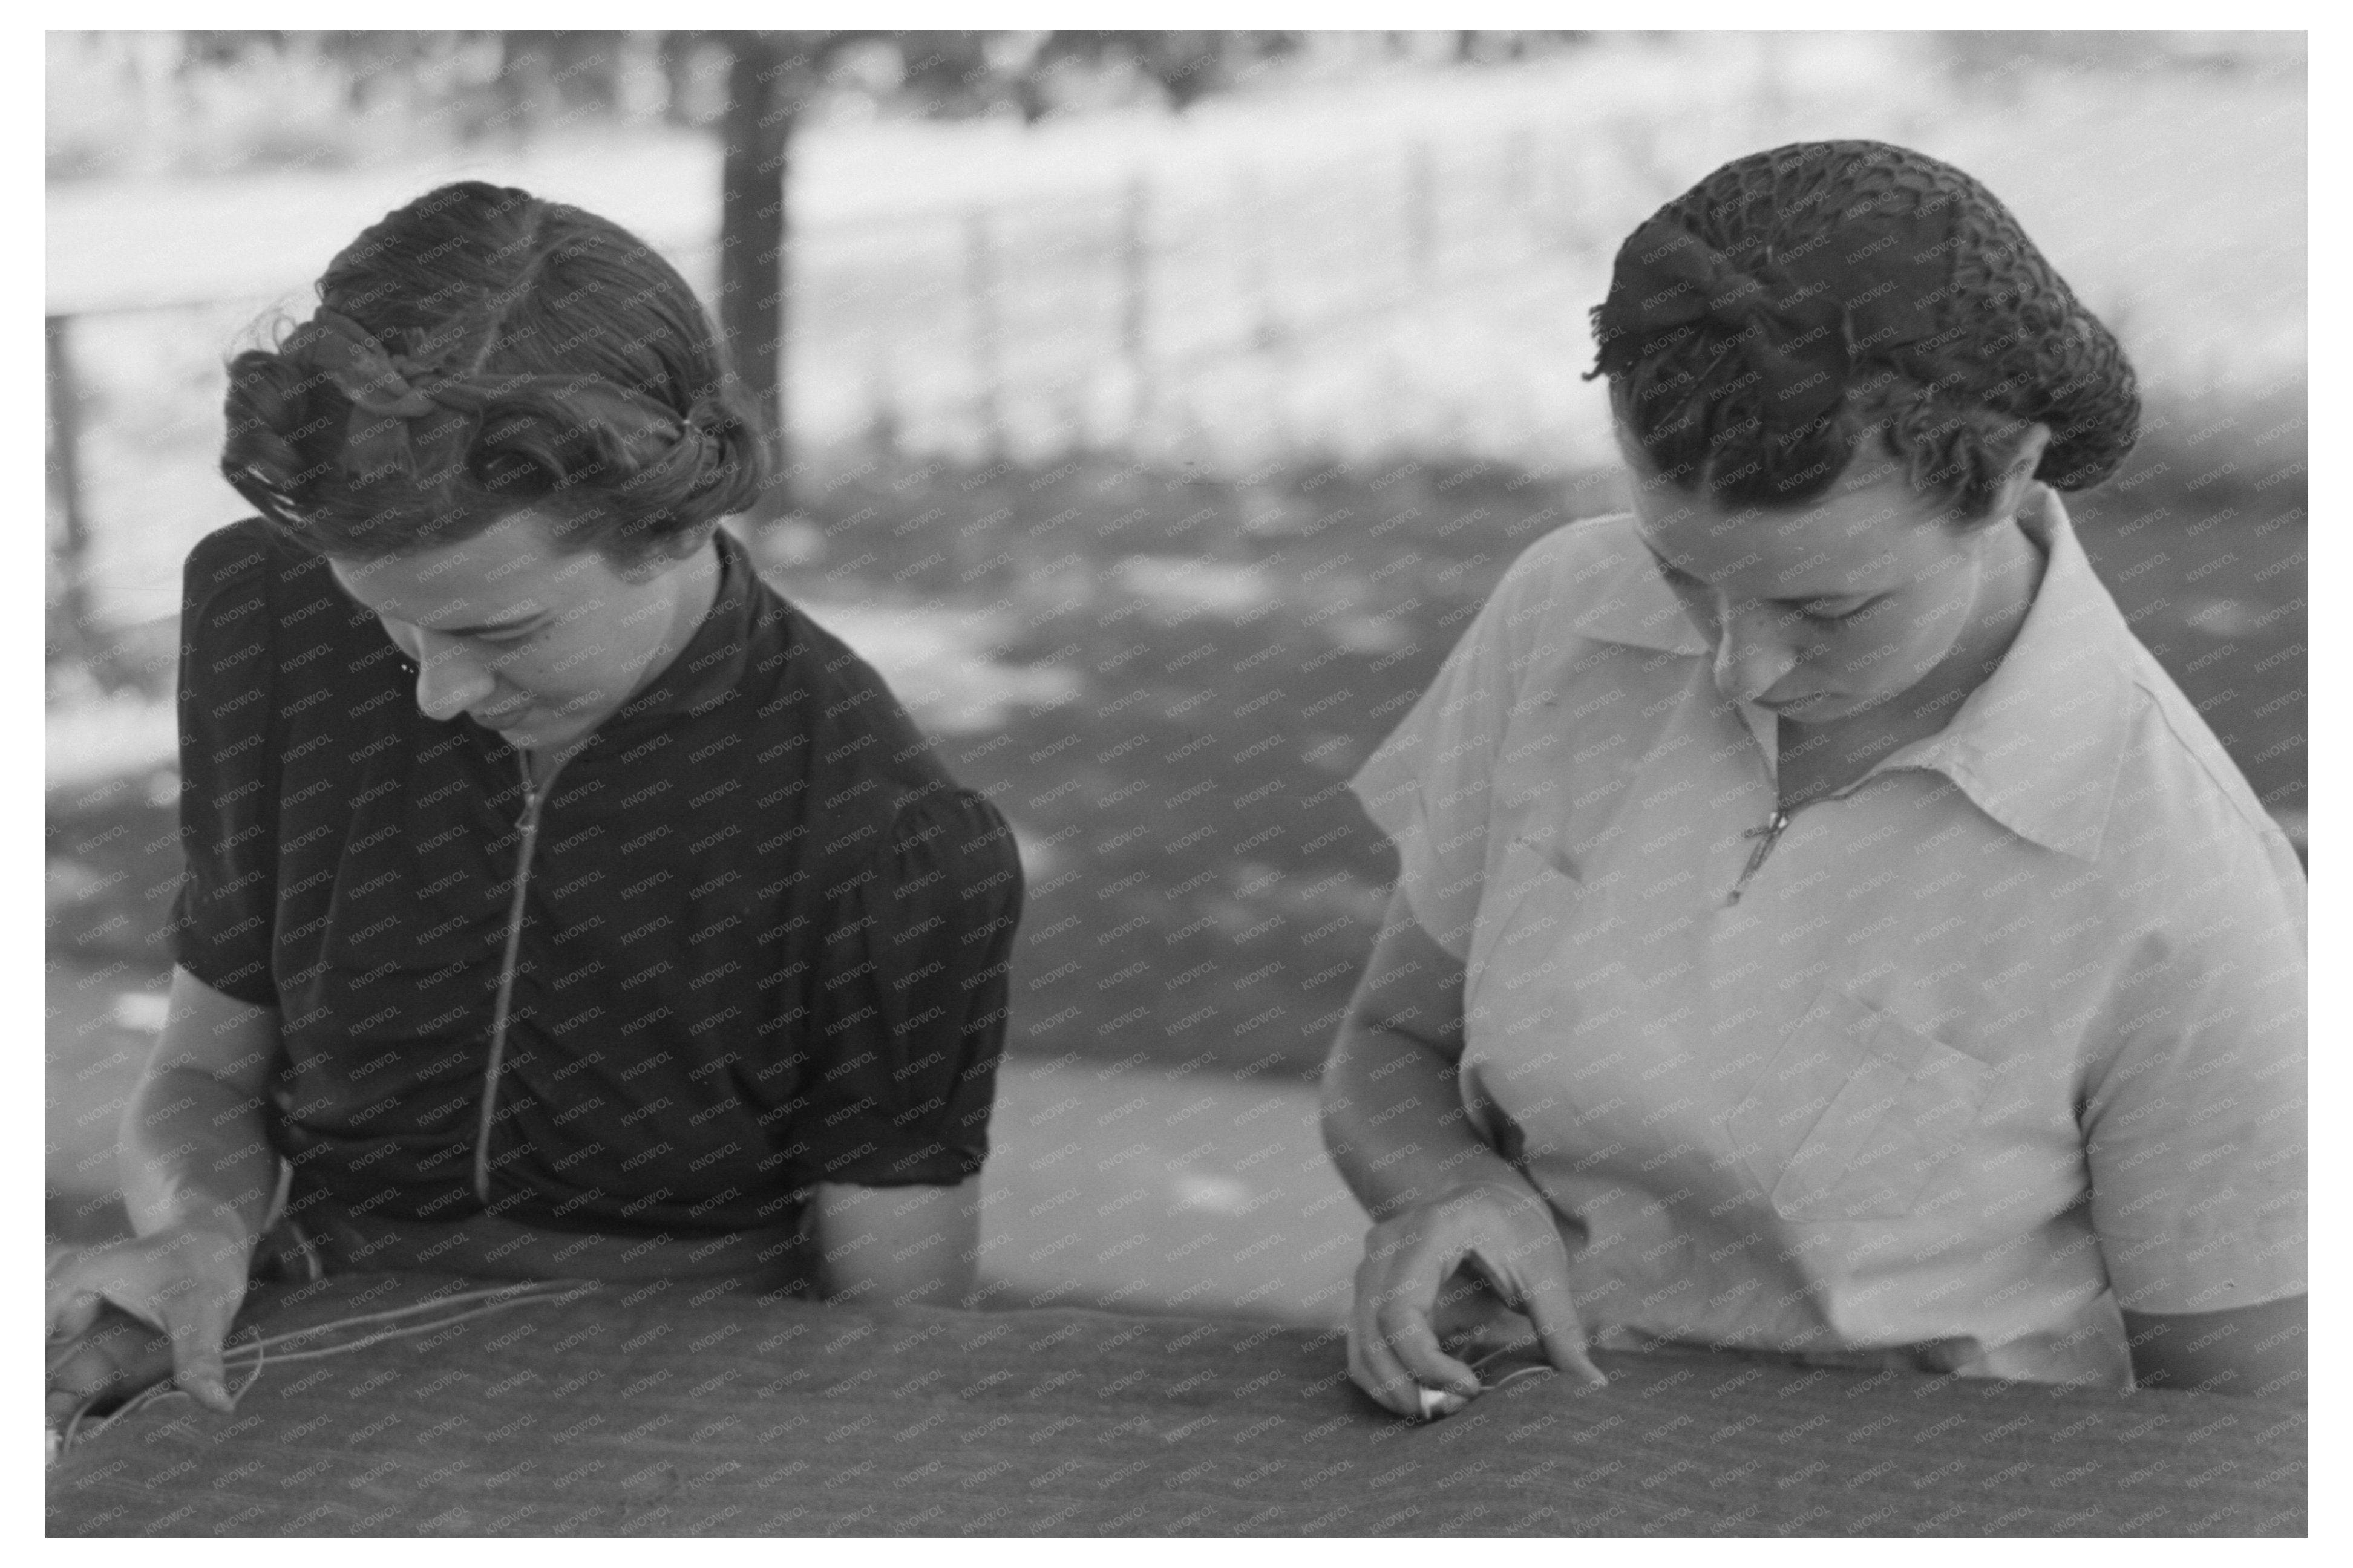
{"x":2195,"y":1125}
{"x":223,"y":917}
{"x":914,"y":999}
{"x":1428,"y":785}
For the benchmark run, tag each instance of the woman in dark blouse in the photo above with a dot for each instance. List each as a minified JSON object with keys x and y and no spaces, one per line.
{"x":560,"y":901}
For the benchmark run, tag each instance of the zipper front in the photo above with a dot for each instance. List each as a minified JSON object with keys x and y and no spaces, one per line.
{"x":528,"y":830}
{"x":1766,"y":836}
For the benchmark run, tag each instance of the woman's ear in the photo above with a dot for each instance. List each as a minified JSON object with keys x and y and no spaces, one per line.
{"x":2017,"y":477}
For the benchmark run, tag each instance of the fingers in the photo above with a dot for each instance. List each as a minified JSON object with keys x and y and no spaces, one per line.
{"x":1405,"y":1327}
{"x":1507,"y":1239}
{"x":1393,"y":1349}
{"x":127,"y":1315}
{"x":119,"y":1355}
{"x":197,"y":1343}
{"x":1394,"y":1353}
{"x":1534,"y":1276}
{"x":1563,"y":1335}
{"x":1373,"y":1365}
{"x":84,"y":1287}
{"x":71,"y":1313}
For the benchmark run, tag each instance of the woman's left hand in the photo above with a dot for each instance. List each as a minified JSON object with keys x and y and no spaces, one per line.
{"x":1404,"y":1297}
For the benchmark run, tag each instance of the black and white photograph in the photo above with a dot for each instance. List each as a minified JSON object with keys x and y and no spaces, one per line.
{"x":1338,"y":783}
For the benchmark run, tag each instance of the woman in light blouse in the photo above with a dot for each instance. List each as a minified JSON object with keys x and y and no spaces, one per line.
{"x":1823,"y":930}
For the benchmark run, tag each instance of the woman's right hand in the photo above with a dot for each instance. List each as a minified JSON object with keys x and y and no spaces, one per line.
{"x":1505,"y":1232}
{"x":129,"y":1313}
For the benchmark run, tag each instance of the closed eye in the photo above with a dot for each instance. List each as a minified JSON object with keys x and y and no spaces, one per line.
{"x":1830,"y":612}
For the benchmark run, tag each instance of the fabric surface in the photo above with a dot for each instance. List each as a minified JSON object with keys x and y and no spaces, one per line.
{"x":764,"y":934}
{"x":2014,"y":1018}
{"x":645,"y":1410}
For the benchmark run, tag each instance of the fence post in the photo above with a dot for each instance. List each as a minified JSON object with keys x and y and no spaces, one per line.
{"x":1520,"y":159}
{"x":980,"y":292}
{"x":69,"y":631}
{"x":1136,"y":297}
{"x":1257,"y":291}
{"x":1420,"y":214}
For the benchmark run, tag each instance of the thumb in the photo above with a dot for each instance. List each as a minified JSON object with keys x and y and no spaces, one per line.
{"x":1548,"y":1305}
{"x":197,"y":1343}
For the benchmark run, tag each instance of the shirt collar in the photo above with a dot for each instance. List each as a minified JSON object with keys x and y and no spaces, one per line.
{"x":2037,"y":747}
{"x":1635,"y":606}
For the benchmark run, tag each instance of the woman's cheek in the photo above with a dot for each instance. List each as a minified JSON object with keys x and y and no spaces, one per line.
{"x":1865,"y":662}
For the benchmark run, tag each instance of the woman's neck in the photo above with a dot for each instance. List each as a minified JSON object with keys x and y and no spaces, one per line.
{"x":2011,"y":576}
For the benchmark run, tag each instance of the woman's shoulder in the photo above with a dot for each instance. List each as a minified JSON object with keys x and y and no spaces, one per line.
{"x":1578,"y":551}
{"x":949,"y":827}
{"x":249,"y":563}
{"x":1585,"y":585}
{"x":2181,"y":803}
{"x":851,"y":726}
{"x":1576,"y":567}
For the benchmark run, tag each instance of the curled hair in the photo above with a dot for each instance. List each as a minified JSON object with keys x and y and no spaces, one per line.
{"x":1766,"y":325}
{"x":479,"y":352}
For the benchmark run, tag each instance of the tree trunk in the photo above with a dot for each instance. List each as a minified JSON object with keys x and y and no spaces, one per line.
{"x":72,"y":638}
{"x":761,"y":101}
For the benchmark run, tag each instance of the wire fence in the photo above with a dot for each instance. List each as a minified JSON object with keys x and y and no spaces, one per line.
{"x":1043,"y":326}
{"x":1026,"y":328}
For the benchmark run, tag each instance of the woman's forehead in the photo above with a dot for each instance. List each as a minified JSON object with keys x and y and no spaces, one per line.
{"x":509,"y":570}
{"x":1873,"y":531}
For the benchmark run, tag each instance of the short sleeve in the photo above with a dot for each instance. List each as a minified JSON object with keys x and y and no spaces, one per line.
{"x":2195,"y":1130}
{"x":914,"y":998}
{"x":1428,"y":784}
{"x":223,"y":917}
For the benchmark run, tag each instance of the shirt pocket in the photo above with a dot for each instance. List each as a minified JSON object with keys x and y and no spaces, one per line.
{"x":1854,"y":1113}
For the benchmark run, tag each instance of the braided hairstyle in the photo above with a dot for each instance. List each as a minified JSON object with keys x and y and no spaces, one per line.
{"x":1761,"y":326}
{"x":481,"y":351}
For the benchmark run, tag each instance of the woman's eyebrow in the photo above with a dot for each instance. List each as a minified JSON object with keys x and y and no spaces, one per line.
{"x":1671,"y":570}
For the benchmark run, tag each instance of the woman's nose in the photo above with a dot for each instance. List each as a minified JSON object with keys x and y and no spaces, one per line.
{"x":1752,"y":652}
{"x":448,"y":680}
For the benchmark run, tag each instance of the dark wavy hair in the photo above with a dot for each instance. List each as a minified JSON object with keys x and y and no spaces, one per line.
{"x":481,"y":351}
{"x":1765,"y":325}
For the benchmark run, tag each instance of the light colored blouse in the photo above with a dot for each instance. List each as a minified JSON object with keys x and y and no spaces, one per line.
{"x":2003,"y":1035}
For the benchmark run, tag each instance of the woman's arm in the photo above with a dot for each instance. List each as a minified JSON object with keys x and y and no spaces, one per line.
{"x":895,"y":1246}
{"x":2257,"y":1349}
{"x":195,"y":1148}
{"x":1440,"y":1195}
{"x":198,"y":1174}
{"x":1392,"y":1116}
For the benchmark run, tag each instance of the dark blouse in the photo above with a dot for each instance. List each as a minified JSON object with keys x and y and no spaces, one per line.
{"x":756,"y":938}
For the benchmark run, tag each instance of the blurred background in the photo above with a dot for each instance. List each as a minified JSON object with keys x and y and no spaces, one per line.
{"x":1158,"y":407}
